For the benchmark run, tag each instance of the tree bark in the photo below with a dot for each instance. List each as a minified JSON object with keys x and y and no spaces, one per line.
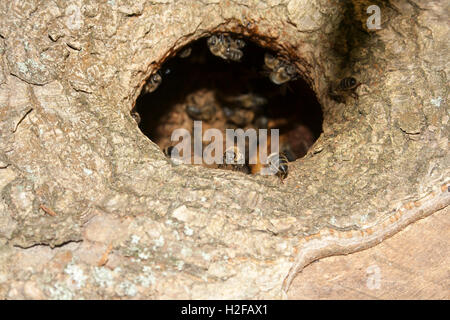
{"x":127,"y":223}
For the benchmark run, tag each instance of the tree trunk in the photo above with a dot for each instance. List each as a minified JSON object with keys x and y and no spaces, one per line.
{"x":91,"y":208}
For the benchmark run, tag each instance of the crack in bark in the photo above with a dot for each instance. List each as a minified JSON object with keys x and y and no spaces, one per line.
{"x":21,"y":119}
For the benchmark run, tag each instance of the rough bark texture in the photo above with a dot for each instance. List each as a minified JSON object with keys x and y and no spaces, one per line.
{"x":129,"y":224}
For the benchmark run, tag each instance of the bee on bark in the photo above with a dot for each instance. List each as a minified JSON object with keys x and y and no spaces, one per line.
{"x":280,"y":70}
{"x":349,"y":83}
{"x":345,"y":87}
{"x":226,"y":47}
{"x":275,"y":164}
{"x":206,"y":112}
{"x":279,"y":164}
{"x":234,"y":160}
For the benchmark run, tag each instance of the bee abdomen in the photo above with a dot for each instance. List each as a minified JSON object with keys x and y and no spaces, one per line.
{"x":347,"y":83}
{"x":283,"y":168}
{"x":278,"y":164}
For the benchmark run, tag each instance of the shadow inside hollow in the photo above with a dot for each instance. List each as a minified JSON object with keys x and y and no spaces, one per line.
{"x":288,"y":105}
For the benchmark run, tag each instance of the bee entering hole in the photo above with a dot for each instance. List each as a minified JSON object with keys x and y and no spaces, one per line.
{"x":227,"y":82}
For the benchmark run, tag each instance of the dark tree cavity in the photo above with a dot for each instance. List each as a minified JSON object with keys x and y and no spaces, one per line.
{"x":197,"y":85}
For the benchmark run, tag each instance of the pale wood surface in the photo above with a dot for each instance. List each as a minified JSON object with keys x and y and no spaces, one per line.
{"x":413,"y":264}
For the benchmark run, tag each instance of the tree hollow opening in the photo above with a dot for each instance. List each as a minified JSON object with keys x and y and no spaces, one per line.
{"x":226,"y":91}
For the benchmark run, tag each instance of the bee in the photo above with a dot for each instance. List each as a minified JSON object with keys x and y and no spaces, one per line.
{"x":234,"y":48}
{"x":234,"y":160}
{"x":278,"y":164}
{"x":240,"y":117}
{"x":207,"y":112}
{"x":136,"y":116}
{"x":153,"y":83}
{"x":287,"y":151}
{"x":216,"y":45}
{"x":349,"y":83}
{"x":233,"y":54}
{"x":271,"y":61}
{"x":226,"y":47}
{"x":247,"y":101}
{"x":345,"y":87}
{"x":283,"y":74}
{"x":280,"y":70}
{"x":201,"y":105}
{"x":238,"y":43}
{"x":185,"y":53}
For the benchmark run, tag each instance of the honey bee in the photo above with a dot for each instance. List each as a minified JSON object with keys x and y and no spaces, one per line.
{"x":153,"y":83}
{"x":345,"y":87}
{"x":279,"y":164}
{"x":226,"y":47}
{"x":283,"y":74}
{"x":298,"y":141}
{"x":136,"y":116}
{"x":234,"y":160}
{"x":185,"y":53}
{"x":170,"y":150}
{"x":234,"y":54}
{"x":207,"y":112}
{"x":276,"y":163}
{"x":271,"y":61}
{"x":239,"y":117}
{"x":280,"y":70}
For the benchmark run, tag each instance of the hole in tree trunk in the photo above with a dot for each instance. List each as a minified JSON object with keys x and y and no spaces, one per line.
{"x":227,"y":94}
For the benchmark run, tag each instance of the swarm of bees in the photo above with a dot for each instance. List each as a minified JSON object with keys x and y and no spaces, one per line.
{"x":276,"y":164}
{"x":237,"y":109}
{"x":226,"y":47}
